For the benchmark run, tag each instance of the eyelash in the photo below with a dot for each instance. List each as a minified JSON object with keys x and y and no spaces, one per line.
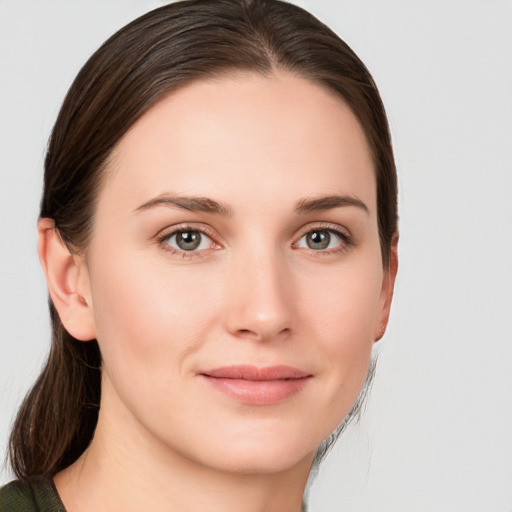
{"x":345,"y":240}
{"x":184,"y":228}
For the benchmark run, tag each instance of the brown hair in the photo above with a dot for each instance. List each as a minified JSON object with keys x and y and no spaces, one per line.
{"x":165,"y":49}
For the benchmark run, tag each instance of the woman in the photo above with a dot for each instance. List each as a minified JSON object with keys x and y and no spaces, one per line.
{"x":218,"y":232}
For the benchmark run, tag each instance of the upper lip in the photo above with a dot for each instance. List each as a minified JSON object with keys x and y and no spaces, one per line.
{"x":250,"y":372}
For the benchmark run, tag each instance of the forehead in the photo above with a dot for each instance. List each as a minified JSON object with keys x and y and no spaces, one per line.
{"x":278,"y":137}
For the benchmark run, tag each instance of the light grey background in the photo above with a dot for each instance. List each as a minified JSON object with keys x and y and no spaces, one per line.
{"x":437,"y":433}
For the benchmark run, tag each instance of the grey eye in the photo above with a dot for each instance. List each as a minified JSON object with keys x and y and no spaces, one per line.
{"x":189,"y":241}
{"x":318,"y":240}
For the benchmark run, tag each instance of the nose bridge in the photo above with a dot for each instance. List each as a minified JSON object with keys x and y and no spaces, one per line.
{"x":259,"y":304}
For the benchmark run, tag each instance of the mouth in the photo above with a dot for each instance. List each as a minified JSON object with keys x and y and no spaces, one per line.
{"x":257,"y":386}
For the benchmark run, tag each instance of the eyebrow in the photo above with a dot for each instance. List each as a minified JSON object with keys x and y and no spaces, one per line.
{"x":207,"y":205}
{"x":192,"y":204}
{"x":329,"y":203}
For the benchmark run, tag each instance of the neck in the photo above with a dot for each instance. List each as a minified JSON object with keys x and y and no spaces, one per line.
{"x":124,"y":469}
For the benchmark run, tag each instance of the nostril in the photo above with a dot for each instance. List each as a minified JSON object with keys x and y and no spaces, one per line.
{"x":248,"y":333}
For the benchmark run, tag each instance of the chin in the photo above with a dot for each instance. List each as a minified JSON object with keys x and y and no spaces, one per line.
{"x":260,"y":454}
{"x":265,"y":463}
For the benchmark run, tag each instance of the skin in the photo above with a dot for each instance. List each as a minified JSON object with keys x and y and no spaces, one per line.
{"x":253,"y":293}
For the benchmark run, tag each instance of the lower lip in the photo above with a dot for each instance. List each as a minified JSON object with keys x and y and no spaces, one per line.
{"x":258,"y":392}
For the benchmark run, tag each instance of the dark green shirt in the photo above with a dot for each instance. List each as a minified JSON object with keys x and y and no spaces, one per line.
{"x":36,"y":496}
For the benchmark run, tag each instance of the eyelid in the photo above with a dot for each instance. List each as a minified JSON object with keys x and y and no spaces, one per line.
{"x":340,"y":231}
{"x":328,"y":226}
{"x":168,"y":232}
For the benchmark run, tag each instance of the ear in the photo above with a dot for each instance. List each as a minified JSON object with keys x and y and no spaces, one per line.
{"x":68,"y":282}
{"x":388,"y":285}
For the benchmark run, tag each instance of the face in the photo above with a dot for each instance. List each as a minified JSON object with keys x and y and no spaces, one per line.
{"x":234,"y":274}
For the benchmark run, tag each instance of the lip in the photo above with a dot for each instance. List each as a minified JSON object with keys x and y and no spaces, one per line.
{"x":257,"y":386}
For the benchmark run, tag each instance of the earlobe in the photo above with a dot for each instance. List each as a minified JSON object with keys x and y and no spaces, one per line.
{"x":68,"y":282}
{"x":388,"y":286}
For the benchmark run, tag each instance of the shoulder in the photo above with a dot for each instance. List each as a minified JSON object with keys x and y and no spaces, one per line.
{"x":35,"y":496}
{"x":17,"y":497}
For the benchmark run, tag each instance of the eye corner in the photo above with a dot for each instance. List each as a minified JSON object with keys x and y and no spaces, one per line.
{"x":324,"y":239}
{"x":186,"y":247}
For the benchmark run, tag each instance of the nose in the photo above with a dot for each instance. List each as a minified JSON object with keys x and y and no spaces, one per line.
{"x":259,"y":302}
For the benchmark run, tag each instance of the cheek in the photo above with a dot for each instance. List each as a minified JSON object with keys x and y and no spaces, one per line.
{"x":343,"y":308}
{"x":149,"y":317}
{"x":345,"y":301}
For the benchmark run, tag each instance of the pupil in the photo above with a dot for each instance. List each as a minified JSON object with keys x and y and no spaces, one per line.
{"x":318,"y":240}
{"x":188,"y":240}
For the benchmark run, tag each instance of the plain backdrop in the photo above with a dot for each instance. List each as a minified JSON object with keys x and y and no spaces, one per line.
{"x":437,"y":432}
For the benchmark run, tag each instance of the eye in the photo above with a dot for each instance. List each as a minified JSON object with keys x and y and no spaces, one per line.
{"x":321,"y":240}
{"x":188,"y":240}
